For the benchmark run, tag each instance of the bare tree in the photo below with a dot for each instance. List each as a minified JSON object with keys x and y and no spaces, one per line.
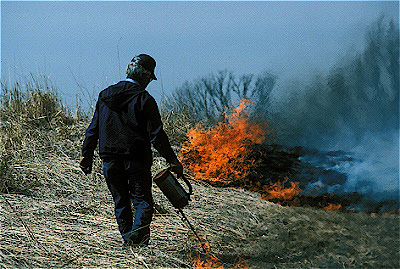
{"x":359,"y":95}
{"x":208,"y":98}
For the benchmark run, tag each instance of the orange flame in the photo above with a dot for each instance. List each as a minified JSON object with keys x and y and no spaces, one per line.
{"x":278,"y":191}
{"x":219,"y":153}
{"x":394,"y":211}
{"x":333,"y":207}
{"x":210,"y":261}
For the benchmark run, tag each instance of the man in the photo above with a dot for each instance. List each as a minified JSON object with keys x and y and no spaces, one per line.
{"x":125,"y":124}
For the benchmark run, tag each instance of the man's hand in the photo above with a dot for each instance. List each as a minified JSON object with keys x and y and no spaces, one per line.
{"x":86,"y":165}
{"x":176,"y":167}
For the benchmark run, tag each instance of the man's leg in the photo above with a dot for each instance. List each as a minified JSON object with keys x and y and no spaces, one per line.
{"x":117,"y":182}
{"x":140,"y":183}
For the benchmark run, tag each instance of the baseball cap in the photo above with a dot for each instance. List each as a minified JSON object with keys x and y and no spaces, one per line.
{"x":147,"y":62}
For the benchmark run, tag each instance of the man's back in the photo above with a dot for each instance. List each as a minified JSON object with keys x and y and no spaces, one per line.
{"x":121,"y":122}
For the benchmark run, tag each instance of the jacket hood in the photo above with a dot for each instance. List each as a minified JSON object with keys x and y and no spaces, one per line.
{"x":117,"y":96}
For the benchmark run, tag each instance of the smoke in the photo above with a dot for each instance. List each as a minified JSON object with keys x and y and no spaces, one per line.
{"x":354,"y":108}
{"x":376,"y":170}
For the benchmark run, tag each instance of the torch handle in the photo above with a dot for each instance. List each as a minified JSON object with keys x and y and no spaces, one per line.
{"x":186,"y":181}
{"x":188,"y":184}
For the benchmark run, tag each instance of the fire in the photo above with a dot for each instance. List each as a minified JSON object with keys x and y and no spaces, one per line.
{"x":211,"y":262}
{"x":394,"y":211}
{"x":207,"y":260}
{"x":278,"y":191}
{"x":333,"y":207}
{"x":220,"y":153}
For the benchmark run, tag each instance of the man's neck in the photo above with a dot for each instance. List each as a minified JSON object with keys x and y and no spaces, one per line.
{"x":131,"y":80}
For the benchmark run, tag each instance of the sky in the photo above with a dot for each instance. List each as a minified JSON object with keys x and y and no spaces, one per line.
{"x":85,"y":46}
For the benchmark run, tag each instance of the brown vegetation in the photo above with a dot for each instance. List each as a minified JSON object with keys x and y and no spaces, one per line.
{"x":54,"y":216}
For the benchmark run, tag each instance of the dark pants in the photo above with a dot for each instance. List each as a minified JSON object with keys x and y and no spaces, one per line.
{"x":130,"y":181}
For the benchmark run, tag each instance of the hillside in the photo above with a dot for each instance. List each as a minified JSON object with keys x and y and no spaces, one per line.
{"x":78,"y":229}
{"x":53,"y":216}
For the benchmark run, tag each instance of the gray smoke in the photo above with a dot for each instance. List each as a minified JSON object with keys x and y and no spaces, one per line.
{"x":355,"y":108}
{"x":376,"y":171}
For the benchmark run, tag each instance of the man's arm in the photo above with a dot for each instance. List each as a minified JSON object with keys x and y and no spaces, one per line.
{"x":90,"y":142}
{"x":158,"y":137}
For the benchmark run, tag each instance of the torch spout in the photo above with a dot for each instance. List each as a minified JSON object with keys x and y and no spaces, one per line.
{"x":192,"y":228}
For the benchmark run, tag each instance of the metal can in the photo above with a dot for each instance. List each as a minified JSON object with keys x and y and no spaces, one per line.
{"x":172,"y":189}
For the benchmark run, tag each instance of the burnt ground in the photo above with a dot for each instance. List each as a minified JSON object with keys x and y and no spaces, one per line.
{"x":315,"y":173}
{"x":75,"y":228}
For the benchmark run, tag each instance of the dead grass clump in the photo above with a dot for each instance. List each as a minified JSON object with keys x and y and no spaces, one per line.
{"x":176,"y":125}
{"x":38,"y":138}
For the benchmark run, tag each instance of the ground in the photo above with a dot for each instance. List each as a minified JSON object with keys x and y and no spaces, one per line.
{"x":76,"y":228}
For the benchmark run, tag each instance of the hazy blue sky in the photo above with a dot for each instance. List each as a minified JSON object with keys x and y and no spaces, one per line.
{"x":64,"y":40}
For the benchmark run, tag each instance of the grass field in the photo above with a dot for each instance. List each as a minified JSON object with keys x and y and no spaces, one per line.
{"x":52,"y":215}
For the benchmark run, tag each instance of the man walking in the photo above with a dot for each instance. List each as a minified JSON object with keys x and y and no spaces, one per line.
{"x":125,"y":124}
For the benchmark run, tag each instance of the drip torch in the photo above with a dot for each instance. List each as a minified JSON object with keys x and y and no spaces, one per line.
{"x":176,"y":194}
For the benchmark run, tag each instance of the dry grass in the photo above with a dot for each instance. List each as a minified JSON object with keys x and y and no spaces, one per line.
{"x":38,"y":138}
{"x":53,"y":216}
{"x":80,"y":231}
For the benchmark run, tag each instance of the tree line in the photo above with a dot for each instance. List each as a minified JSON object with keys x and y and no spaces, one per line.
{"x":359,"y":94}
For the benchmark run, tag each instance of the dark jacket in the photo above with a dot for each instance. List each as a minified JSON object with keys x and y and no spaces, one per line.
{"x":125,"y":123}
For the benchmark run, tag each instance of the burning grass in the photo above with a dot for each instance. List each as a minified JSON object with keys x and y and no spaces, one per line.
{"x":206,"y":260}
{"x":277,"y":191}
{"x":234,"y":153}
{"x":226,"y":155}
{"x":220,"y":154}
{"x":333,"y":207}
